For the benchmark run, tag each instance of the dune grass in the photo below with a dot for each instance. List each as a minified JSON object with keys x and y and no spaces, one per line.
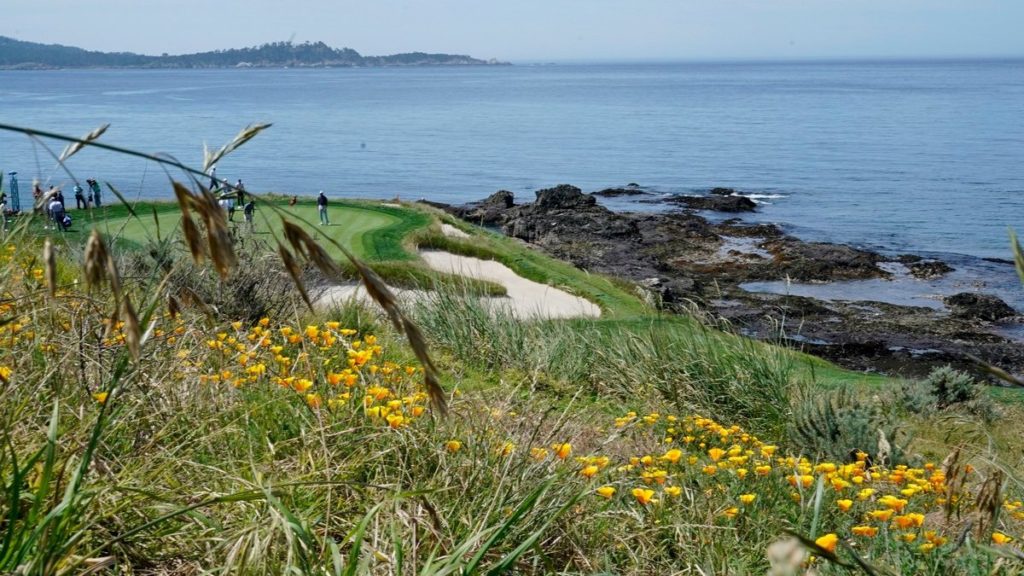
{"x":143,"y":432}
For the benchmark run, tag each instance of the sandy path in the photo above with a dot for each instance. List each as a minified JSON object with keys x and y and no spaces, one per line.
{"x":526,"y":299}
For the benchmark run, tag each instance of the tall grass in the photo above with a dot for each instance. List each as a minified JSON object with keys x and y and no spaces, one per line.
{"x":693,"y":366}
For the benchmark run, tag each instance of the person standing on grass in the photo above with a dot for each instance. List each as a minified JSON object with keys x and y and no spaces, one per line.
{"x":80,"y":197}
{"x":321,"y":207}
{"x":56,"y":213}
{"x":248,"y":212}
{"x":240,"y":192}
{"x":95,"y":187}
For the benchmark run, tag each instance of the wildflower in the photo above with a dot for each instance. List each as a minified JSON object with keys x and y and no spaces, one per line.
{"x":893,"y":503}
{"x":844,"y":505}
{"x":673,"y":491}
{"x":828,"y":542}
{"x":865,"y":493}
{"x":912,"y":520}
{"x":538,"y":453}
{"x":562,"y":451}
{"x":1000,"y":538}
{"x":716,"y":454}
{"x":866,"y":531}
{"x":748,"y":499}
{"x":507,"y":449}
{"x":453,"y":446}
{"x":100,"y":397}
{"x":395,"y":421}
{"x":710,"y":469}
{"x":643,"y":496}
{"x":606,"y":492}
{"x":731,"y":512}
{"x":763,"y":470}
{"x":5,"y":373}
{"x":589,"y":471}
{"x":908,"y":537}
{"x":926,"y":547}
{"x":302,"y":384}
{"x":672,"y":455}
{"x":881,"y":515}
{"x":313,"y":400}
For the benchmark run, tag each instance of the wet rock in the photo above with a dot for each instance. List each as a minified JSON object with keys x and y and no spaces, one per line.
{"x":562,"y":197}
{"x":720,"y":191}
{"x":631,"y":190}
{"x":823,"y":261}
{"x":978,"y":306}
{"x":716,"y":203}
{"x":926,"y":269}
{"x":489,"y":211}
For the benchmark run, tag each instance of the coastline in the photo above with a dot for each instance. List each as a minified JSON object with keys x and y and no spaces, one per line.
{"x":700,"y":251}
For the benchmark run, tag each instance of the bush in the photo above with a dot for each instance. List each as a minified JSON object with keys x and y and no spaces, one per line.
{"x":841,"y":425}
{"x":947,"y":389}
{"x":950,"y":387}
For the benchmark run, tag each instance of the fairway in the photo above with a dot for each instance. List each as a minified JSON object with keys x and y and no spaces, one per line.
{"x":372,"y":231}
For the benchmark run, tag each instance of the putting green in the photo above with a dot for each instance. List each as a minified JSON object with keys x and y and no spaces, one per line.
{"x":372,"y":231}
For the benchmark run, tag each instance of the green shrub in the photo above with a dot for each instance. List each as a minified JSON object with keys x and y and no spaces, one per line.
{"x":840,"y":425}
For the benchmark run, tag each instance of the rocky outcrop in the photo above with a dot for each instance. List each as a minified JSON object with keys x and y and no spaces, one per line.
{"x":629,"y":190}
{"x":719,"y":191}
{"x":978,"y":306}
{"x":822,"y":261}
{"x":927,"y":269}
{"x":716,"y":203}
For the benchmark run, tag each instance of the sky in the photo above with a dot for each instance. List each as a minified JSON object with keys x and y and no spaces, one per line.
{"x":538,"y":30}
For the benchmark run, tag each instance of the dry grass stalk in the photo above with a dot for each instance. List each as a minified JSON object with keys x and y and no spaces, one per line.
{"x":50,"y":267}
{"x":132,"y":331}
{"x":74,"y":147}
{"x":293,"y":270}
{"x":248,"y":133}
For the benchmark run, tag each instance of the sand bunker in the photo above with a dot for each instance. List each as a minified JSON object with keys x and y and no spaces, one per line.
{"x":526,"y":299}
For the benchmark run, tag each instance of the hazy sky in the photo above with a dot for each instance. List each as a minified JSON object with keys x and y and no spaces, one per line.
{"x":537,"y":29}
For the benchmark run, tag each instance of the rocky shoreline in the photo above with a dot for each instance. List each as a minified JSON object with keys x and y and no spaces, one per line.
{"x":685,"y":260}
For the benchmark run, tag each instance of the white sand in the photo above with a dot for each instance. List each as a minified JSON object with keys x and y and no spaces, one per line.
{"x":449,"y":230}
{"x":526,"y":299}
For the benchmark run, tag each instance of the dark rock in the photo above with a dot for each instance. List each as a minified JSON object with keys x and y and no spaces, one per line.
{"x":823,"y":261}
{"x":929,"y":269}
{"x":978,"y":306}
{"x":716,"y":203}
{"x":562,"y":197}
{"x":490,"y":211}
{"x":630,"y":190}
{"x":908,"y":259}
{"x":719,"y":191}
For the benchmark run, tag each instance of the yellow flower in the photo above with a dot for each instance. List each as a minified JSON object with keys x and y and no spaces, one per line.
{"x":673,"y":455}
{"x":731,"y":512}
{"x":716,"y":454}
{"x":562,"y":451}
{"x":100,"y":397}
{"x":926,"y":547}
{"x":395,"y":421}
{"x":453,"y":446}
{"x":589,"y":471}
{"x":673,"y":491}
{"x":844,"y":505}
{"x":881,"y":515}
{"x":763,"y":470}
{"x":866,"y":531}
{"x":828,"y":542}
{"x":313,"y":400}
{"x":912,"y":520}
{"x":748,"y":499}
{"x":506,"y":449}
{"x":643,"y":495}
{"x":908,"y":537}
{"x":865,"y":493}
{"x":606,"y":491}
{"x":1000,"y":538}
{"x":893,"y":503}
{"x":710,"y":469}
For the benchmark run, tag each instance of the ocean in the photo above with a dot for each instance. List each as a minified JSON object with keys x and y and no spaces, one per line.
{"x":923,"y":157}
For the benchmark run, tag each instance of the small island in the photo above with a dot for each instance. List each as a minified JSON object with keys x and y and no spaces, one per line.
{"x":21,"y":55}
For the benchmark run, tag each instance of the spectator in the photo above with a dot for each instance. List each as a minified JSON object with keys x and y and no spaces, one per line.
{"x":321,"y":206}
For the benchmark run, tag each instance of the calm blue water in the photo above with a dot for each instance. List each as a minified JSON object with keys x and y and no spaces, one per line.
{"x":903,"y":156}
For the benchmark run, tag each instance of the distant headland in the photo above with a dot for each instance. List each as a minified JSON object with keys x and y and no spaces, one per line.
{"x":18,"y":54}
